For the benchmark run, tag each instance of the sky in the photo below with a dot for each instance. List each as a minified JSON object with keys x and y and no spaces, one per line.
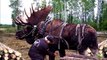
{"x":5,"y":10}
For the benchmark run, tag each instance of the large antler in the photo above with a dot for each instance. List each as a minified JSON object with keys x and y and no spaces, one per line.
{"x":26,"y":14}
{"x":19,"y":21}
{"x":35,"y":17}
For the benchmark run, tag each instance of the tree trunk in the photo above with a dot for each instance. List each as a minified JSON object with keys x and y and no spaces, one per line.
{"x":99,"y":13}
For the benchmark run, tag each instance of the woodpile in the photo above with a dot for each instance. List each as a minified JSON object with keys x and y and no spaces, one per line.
{"x":7,"y":53}
{"x":102,"y":44}
{"x":104,"y":33}
{"x":77,"y":57}
{"x":103,"y":48}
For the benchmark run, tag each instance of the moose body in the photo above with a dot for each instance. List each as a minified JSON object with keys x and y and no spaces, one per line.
{"x":69,"y":33}
{"x":77,"y":37}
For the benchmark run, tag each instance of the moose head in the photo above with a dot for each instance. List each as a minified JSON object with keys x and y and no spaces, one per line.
{"x":29,"y":30}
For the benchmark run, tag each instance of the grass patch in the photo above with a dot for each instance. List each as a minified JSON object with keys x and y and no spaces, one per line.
{"x":7,"y":29}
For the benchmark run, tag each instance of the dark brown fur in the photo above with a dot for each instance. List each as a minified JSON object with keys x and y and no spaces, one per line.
{"x":54,"y":28}
{"x":69,"y":31}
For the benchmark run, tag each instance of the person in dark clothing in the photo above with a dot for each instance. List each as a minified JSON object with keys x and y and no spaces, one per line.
{"x":40,"y":47}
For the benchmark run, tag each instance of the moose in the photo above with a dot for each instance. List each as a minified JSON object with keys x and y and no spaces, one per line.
{"x":72,"y":36}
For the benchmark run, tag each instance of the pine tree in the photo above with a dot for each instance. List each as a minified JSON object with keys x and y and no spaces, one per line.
{"x":15,"y":5}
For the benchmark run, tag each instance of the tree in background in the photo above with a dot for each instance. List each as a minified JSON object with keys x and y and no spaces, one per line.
{"x":82,"y":11}
{"x":99,"y":13}
{"x":75,"y":11}
{"x":101,"y":18}
{"x":87,"y":10}
{"x":103,"y":22}
{"x":58,"y":9}
{"x":15,"y":5}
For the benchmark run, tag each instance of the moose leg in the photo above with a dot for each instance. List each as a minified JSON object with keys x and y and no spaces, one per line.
{"x":52,"y":49}
{"x":51,"y":57}
{"x":94,"y":49}
{"x":62,"y":48}
{"x":62,"y":52}
{"x":81,"y":49}
{"x":94,"y":45}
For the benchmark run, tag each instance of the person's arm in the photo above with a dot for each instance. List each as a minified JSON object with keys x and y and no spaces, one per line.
{"x":50,"y":53}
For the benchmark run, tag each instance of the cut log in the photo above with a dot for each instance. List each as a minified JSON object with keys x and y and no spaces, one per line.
{"x":78,"y":57}
{"x":102,"y":44}
{"x":7,"y":53}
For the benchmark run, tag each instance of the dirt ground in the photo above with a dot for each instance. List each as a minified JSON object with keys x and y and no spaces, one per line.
{"x":18,"y":45}
{"x":21,"y":45}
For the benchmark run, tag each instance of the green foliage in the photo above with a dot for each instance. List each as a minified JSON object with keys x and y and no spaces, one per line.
{"x":43,"y":3}
{"x":88,"y":4}
{"x":70,"y":19}
{"x":8,"y":28}
{"x":93,"y":24}
{"x":73,"y":4}
{"x":15,"y":5}
{"x":57,"y":6}
{"x":85,"y":7}
{"x":4,"y":26}
{"x":74,"y":20}
{"x":104,"y":12}
{"x":103,"y":22}
{"x":103,"y":25}
{"x":99,"y":56}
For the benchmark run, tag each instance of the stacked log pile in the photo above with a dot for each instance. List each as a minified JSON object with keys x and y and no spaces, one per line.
{"x":103,"y":48}
{"x":102,"y":33}
{"x":102,"y":44}
{"x":77,"y":57}
{"x":7,"y":53}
